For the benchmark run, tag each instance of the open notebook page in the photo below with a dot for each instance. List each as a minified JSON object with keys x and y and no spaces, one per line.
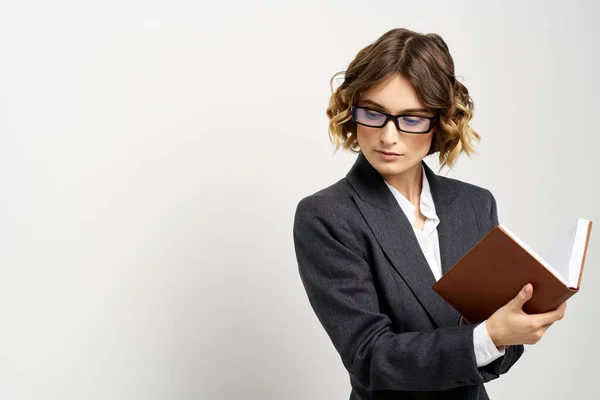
{"x":581,"y":237}
{"x":566,"y":255}
{"x":560,"y":254}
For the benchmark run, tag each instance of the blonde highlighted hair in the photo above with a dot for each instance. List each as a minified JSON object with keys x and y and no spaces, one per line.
{"x":425,"y":61}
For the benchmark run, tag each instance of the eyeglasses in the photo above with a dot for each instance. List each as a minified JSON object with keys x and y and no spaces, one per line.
{"x":404,"y":122}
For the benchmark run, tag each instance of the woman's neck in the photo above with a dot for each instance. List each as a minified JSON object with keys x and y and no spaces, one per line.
{"x":408,"y":183}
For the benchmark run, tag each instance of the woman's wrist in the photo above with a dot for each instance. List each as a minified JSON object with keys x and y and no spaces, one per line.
{"x":493,"y":335}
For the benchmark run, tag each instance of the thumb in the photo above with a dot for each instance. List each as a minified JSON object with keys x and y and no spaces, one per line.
{"x":524,"y":296}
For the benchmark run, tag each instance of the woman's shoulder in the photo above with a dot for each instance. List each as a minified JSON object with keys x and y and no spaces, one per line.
{"x":335,"y":199}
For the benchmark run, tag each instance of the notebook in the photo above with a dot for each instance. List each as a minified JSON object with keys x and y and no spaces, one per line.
{"x":500,"y":264}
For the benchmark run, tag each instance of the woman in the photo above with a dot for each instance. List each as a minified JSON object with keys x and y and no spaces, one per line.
{"x":370,"y":246}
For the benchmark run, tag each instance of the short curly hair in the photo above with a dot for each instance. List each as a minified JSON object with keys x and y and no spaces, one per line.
{"x":425,"y":61}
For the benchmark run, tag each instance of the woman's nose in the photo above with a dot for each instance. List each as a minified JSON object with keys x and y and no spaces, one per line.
{"x":389,"y":133}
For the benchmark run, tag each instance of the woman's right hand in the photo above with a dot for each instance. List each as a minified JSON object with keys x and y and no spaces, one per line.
{"x":510,"y":325}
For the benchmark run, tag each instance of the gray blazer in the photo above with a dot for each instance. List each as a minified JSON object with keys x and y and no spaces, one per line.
{"x":370,"y":286}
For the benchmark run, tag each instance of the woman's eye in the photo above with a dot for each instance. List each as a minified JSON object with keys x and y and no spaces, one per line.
{"x":372,"y":114}
{"x":412,"y":121}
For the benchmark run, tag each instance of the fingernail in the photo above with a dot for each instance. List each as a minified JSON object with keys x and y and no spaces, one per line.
{"x":527,"y":289}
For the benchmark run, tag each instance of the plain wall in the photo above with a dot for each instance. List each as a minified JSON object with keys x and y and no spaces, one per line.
{"x":152,"y":155}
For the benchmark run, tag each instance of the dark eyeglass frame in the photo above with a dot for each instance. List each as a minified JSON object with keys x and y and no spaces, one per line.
{"x":432,"y":120}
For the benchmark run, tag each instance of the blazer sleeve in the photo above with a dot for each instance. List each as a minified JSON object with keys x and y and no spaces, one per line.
{"x":513,"y":353}
{"x":342,"y":293}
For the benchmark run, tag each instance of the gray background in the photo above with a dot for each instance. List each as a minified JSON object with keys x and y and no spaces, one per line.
{"x":153,"y":153}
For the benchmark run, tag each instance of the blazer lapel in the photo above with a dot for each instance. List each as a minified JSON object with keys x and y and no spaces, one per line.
{"x":397,"y":238}
{"x":454,"y":220}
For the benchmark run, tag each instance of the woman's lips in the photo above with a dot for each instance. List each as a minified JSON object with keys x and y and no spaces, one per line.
{"x":388,"y":155}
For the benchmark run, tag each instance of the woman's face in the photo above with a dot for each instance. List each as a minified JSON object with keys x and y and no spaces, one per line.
{"x":397,"y":97}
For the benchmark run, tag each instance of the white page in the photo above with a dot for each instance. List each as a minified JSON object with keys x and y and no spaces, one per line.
{"x":578,"y":251}
{"x":565,"y":257}
{"x":559,"y":255}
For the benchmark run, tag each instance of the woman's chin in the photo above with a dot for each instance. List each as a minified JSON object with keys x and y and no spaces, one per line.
{"x":391,"y":168}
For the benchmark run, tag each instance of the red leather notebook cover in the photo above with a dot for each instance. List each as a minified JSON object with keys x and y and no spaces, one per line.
{"x":494,"y":271}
